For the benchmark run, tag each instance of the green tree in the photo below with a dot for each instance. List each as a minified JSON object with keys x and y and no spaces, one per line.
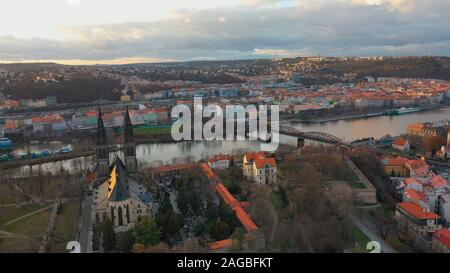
{"x":125,"y":241}
{"x":220,"y":230}
{"x":108,"y":236}
{"x":211,"y":211}
{"x":182,"y":199}
{"x":174,"y":223}
{"x":147,"y":232}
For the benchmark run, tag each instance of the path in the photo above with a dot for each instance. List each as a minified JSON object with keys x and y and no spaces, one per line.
{"x":385,"y":248}
{"x":25,"y":216}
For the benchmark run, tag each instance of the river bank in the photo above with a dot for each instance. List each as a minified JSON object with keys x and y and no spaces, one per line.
{"x":79,"y":152}
{"x":353,"y":116}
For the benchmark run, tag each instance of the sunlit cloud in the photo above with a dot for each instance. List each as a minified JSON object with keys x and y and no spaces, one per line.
{"x":238,"y":31}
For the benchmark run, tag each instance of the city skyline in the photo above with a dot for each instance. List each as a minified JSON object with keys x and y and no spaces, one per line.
{"x":78,"y":32}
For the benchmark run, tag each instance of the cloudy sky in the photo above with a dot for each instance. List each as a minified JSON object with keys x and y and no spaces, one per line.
{"x":124,"y":31}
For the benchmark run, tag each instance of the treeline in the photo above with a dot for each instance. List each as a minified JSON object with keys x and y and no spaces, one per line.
{"x":405,"y":67}
{"x":206,"y":78}
{"x":79,"y":89}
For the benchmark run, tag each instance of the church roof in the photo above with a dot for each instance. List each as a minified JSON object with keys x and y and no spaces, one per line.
{"x":122,"y":186}
{"x":118,"y":182}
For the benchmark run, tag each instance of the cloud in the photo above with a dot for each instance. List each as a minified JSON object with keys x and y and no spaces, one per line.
{"x":341,"y":28}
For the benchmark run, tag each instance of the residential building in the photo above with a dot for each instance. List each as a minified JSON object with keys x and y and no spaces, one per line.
{"x":443,"y":206}
{"x":416,"y":222}
{"x":259,"y":168}
{"x":220,"y":162}
{"x":401,"y":144}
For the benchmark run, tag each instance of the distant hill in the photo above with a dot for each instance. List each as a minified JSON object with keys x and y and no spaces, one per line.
{"x":76,"y":90}
{"x":28,"y":67}
{"x":405,"y":67}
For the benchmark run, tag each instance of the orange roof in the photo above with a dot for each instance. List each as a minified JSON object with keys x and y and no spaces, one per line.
{"x":167,"y":168}
{"x":226,"y":195}
{"x":400,"y":141}
{"x":261,"y":162}
{"x":438,"y":182}
{"x":417,"y":211}
{"x":415,"y":195}
{"x":399,"y":161}
{"x":245,"y":219}
{"x":416,"y":163}
{"x":209,"y":173}
{"x":443,"y":236}
{"x":411,"y":180}
{"x":47,"y":119}
{"x":220,"y":244}
{"x":250,"y":156}
{"x":418,"y":126}
{"x":219,"y":157}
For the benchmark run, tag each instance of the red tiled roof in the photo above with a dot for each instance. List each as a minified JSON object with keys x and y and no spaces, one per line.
{"x":226,"y":195}
{"x":219,"y":157}
{"x":415,"y":195}
{"x":443,"y":236}
{"x":250,"y":156}
{"x":245,"y":219}
{"x":261,"y":162}
{"x":209,"y":173}
{"x":418,"y":126}
{"x":411,"y":180}
{"x":438,"y":182}
{"x":48,"y":119}
{"x":167,"y":168}
{"x":417,"y":211}
{"x":399,"y":161}
{"x":400,"y":141}
{"x":220,"y":244}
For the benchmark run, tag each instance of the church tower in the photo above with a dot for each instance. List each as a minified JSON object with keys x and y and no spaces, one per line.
{"x":129,"y":146}
{"x":101,"y":149}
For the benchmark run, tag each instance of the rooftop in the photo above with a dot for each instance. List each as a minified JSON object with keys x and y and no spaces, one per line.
{"x":418,"y":212}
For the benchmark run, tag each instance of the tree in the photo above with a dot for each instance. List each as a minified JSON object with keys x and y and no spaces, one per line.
{"x":237,"y":237}
{"x":432,"y":143}
{"x":220,"y":230}
{"x":174,"y":223}
{"x":211,"y":211}
{"x":147,"y":232}
{"x":108,"y":236}
{"x":126,"y":241}
{"x":182,"y":199}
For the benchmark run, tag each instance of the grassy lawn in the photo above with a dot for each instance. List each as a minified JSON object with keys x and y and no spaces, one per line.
{"x":6,"y":195}
{"x":152,"y":130}
{"x":224,"y":175}
{"x":10,"y":213}
{"x":360,"y":238}
{"x":29,"y":233}
{"x":65,"y":227}
{"x":356,"y":184}
{"x":277,"y":201}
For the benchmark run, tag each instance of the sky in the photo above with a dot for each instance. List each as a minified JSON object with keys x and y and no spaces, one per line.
{"x":130,"y":31}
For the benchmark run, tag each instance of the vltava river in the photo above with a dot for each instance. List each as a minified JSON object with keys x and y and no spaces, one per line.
{"x":152,"y":154}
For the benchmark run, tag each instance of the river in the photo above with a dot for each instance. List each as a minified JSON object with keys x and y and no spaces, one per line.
{"x":376,"y":127}
{"x":153,"y":154}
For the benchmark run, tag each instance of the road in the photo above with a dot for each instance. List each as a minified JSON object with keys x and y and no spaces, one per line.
{"x":385,"y":248}
{"x":84,"y":237}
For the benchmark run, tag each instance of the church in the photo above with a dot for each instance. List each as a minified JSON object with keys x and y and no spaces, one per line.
{"x":118,"y":191}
